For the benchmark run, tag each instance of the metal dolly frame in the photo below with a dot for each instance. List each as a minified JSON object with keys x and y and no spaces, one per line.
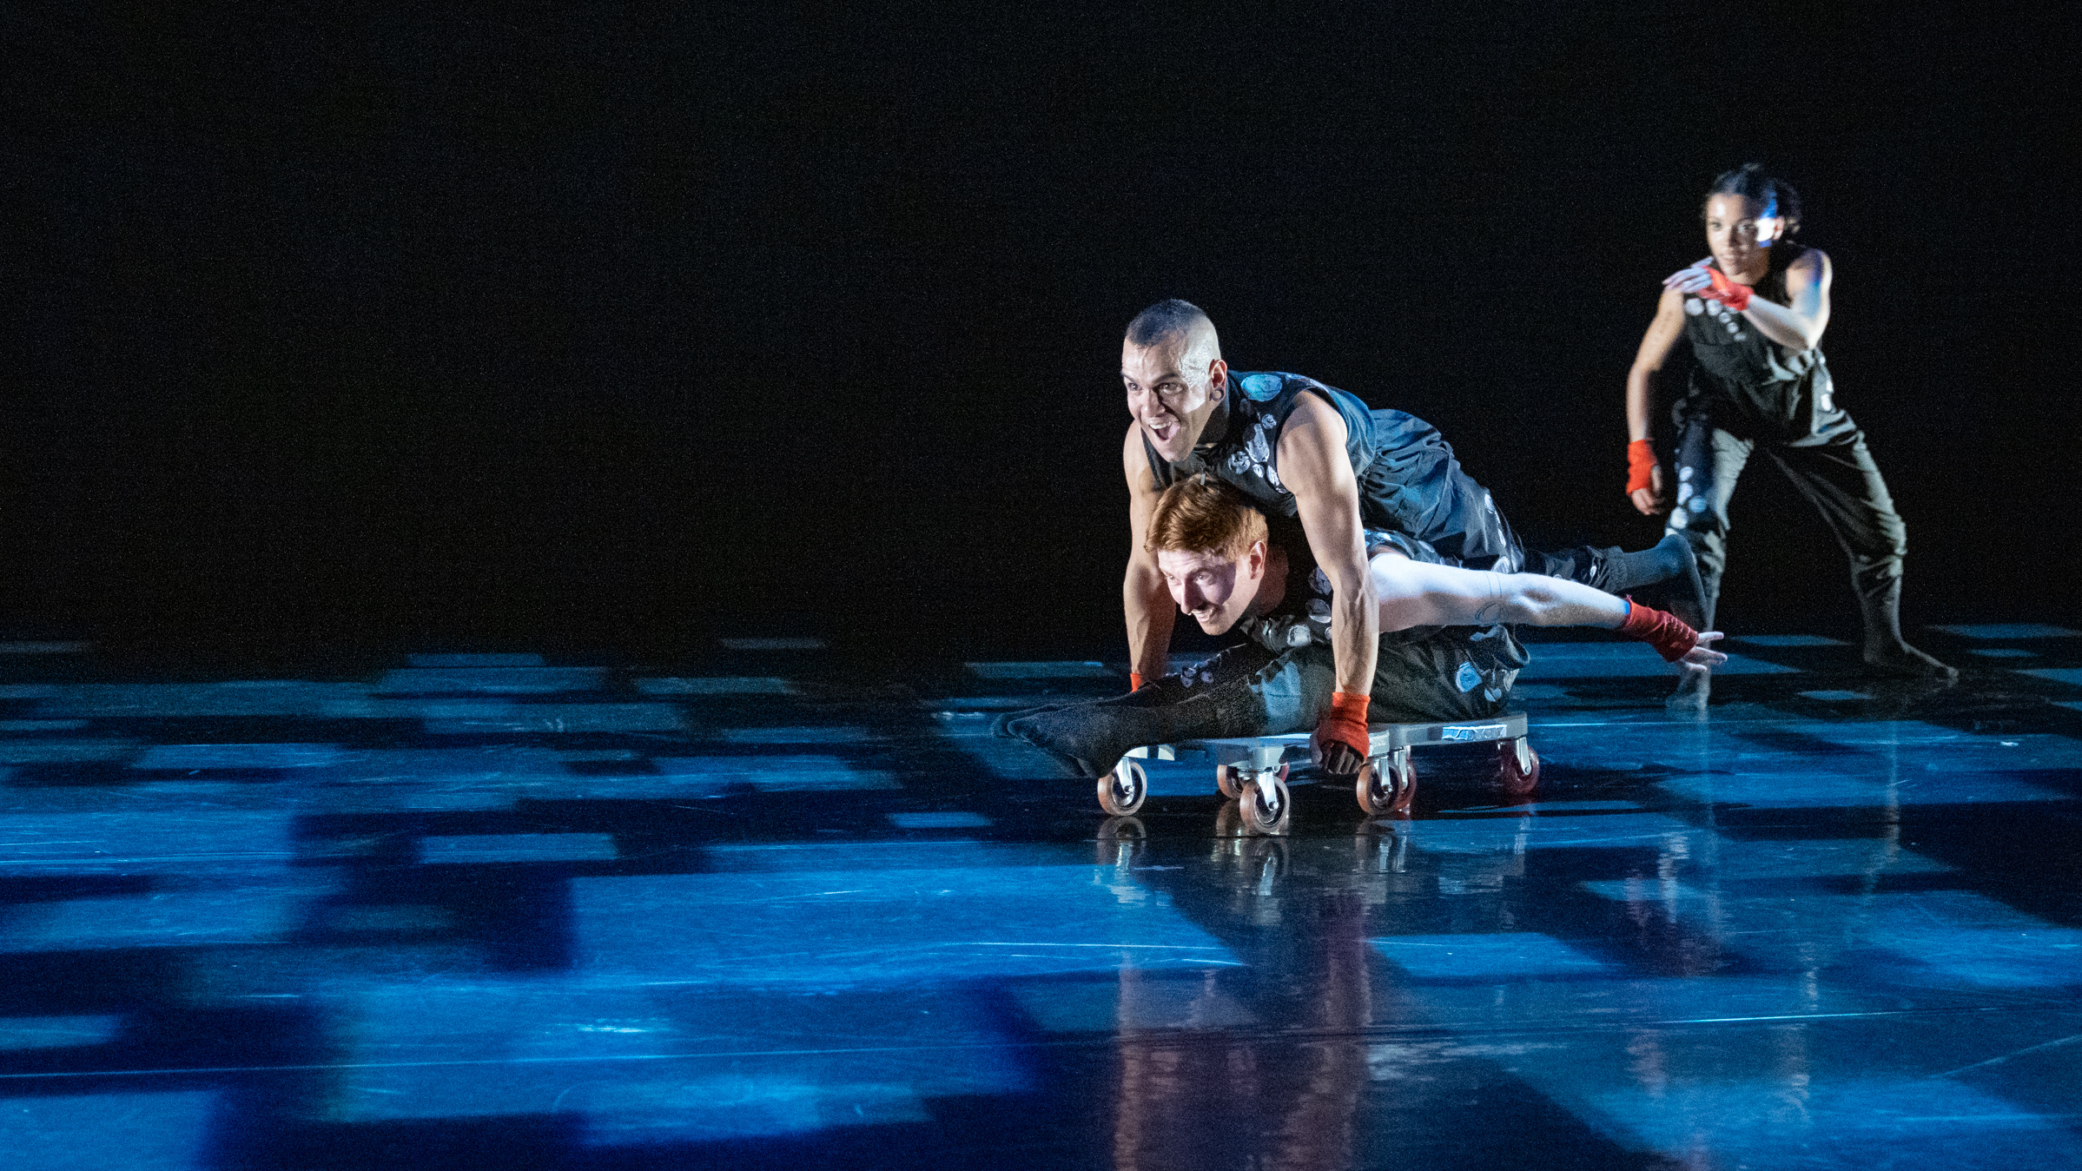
{"x":1253,"y":769}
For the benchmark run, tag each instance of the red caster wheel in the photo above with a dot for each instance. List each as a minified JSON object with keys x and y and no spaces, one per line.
{"x":1121,"y":791}
{"x":1518,"y":766}
{"x":1387,"y":784}
{"x":1231,"y":779}
{"x":1265,"y":804}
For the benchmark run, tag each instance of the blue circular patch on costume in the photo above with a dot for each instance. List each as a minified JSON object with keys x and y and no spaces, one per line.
{"x":1468,"y":679}
{"x":1261,"y":387}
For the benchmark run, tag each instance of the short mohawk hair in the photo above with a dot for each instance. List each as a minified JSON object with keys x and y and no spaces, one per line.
{"x":1163,"y":321}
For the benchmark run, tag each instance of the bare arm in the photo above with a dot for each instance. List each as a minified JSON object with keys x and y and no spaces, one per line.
{"x":1797,"y":325}
{"x":1414,"y":593}
{"x":1655,"y":349}
{"x":1314,"y":466}
{"x":1144,"y":599}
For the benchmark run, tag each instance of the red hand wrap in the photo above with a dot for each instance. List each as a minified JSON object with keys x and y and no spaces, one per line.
{"x":1134,"y":681}
{"x":1640,"y":465}
{"x":1670,"y":637}
{"x":1726,"y":291}
{"x":1345,"y":722}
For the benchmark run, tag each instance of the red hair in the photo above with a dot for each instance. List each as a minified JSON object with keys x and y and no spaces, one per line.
{"x":1200,"y":514}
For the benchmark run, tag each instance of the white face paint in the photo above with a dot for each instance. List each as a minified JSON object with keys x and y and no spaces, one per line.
{"x":1170,"y":400}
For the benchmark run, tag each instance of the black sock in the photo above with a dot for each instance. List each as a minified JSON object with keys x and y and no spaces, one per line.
{"x":1669,"y":561}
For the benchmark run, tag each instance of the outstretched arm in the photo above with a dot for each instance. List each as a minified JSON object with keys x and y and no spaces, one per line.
{"x":1414,"y":593}
{"x":1797,"y":325}
{"x":1144,"y":599}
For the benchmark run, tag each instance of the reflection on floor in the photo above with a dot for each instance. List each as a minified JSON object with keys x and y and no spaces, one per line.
{"x":779,"y":910}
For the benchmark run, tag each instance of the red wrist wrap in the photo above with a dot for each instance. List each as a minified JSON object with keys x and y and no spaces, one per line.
{"x":1345,"y":722}
{"x":1670,"y":637}
{"x":1134,"y":681}
{"x":1640,"y":465}
{"x":1726,"y":291}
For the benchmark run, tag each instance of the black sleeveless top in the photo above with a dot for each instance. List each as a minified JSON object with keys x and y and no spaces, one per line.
{"x":1245,"y":443}
{"x":1408,"y":479}
{"x":1741,"y":371}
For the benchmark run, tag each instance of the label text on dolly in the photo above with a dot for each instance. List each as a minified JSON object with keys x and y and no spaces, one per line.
{"x":1472,"y":732}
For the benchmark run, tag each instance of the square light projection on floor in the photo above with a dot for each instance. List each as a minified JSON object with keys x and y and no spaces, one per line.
{"x":1516,"y":955}
{"x":866,"y":928}
{"x":766,"y":773}
{"x":477,"y":849}
{"x":1175,"y":1001}
{"x":797,"y":734}
{"x":57,"y":1032}
{"x":237,"y":757}
{"x":490,"y":680}
{"x":1851,"y":1121}
{"x":1040,"y":670}
{"x":143,"y":842}
{"x":130,"y":1131}
{"x":650,"y":1063}
{"x":1993,"y":631}
{"x":951,"y":819}
{"x":1786,"y":640}
{"x":716,"y":685}
{"x":247,"y":914}
{"x":563,"y":718}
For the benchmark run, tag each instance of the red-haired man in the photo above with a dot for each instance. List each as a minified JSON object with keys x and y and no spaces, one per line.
{"x":1445,"y":652}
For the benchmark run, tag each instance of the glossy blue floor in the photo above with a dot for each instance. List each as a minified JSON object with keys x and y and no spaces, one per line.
{"x":787,"y":910}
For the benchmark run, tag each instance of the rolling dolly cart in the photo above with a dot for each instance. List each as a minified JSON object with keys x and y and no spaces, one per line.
{"x":1253,"y":770}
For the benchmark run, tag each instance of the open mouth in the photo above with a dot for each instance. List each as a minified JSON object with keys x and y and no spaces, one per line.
{"x":1163,"y":432}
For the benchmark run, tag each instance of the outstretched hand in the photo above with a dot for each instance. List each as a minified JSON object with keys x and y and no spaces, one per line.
{"x":1702,"y":657}
{"x":1702,"y":280}
{"x":1693,"y":279}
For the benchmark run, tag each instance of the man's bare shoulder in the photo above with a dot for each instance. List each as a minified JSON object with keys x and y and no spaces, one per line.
{"x":1315,"y":425}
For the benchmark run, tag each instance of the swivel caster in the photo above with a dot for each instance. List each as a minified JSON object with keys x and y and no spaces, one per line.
{"x":1122,"y":791}
{"x":1231,"y":778}
{"x":1265,"y":804}
{"x":1387,"y":784}
{"x":1518,"y":766}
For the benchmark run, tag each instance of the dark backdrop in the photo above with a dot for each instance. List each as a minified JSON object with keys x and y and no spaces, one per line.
{"x":340,"y":324}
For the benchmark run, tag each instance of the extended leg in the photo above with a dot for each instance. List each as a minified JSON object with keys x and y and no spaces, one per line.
{"x":1417,"y":487}
{"x":1283,"y":694}
{"x":1670,"y":560}
{"x":1709,"y":462}
{"x":1843,"y":482}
